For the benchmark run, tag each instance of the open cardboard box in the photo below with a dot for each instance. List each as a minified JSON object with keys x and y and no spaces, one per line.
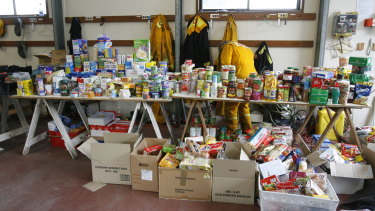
{"x":55,"y":58}
{"x":144,"y":168}
{"x":110,"y":160}
{"x":234,"y":179}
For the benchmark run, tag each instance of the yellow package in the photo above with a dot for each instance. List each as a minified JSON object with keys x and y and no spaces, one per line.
{"x":169,"y":161}
{"x":321,"y":196}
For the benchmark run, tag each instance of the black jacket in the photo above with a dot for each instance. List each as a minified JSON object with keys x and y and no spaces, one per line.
{"x":196,"y":46}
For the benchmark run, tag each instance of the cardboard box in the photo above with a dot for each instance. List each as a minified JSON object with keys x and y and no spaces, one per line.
{"x":145,"y":167}
{"x":55,"y":58}
{"x":110,"y":160}
{"x":185,"y":184}
{"x":234,"y":179}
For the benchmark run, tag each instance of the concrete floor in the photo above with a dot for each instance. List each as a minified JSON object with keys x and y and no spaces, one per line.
{"x":48,"y":179}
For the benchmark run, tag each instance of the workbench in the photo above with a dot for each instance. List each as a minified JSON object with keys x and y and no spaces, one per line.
{"x":48,"y":101}
{"x":196,"y":102}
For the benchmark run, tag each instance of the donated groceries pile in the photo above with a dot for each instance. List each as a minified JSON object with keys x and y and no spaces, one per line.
{"x":222,"y":166}
{"x":315,"y":85}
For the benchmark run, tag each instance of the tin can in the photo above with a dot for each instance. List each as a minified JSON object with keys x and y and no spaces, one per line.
{"x":48,"y":89}
{"x":138,"y":91}
{"x":247,"y":94}
{"x":74,"y":94}
{"x":257,"y":84}
{"x":98,"y":92}
{"x":232,"y":92}
{"x":155,"y":95}
{"x":240,"y":93}
{"x":280,"y":93}
{"x":206,"y":89}
{"x":232,"y":75}
{"x":185,"y":76}
{"x":185,"y":86}
{"x":209,"y":72}
{"x":165,"y":93}
{"x":222,"y":92}
{"x":224,"y":73}
{"x":286,"y":93}
{"x":240,"y":84}
{"x":177,"y":86}
{"x":225,"y":83}
{"x":201,"y":73}
{"x":255,"y":95}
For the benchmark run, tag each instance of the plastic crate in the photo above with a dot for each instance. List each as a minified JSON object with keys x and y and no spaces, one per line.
{"x":273,"y":201}
{"x":56,"y":139}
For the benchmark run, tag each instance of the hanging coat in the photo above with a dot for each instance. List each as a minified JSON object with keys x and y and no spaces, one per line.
{"x":75,"y":33}
{"x":162,"y":41}
{"x":262,"y":58}
{"x":230,"y":33}
{"x":196,"y":46}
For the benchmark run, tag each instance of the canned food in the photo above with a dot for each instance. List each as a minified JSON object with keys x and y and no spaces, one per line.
{"x":98,"y":92}
{"x":225,"y":73}
{"x":240,"y":93}
{"x":184,"y":86}
{"x":232,"y":75}
{"x":247,"y":94}
{"x":257,"y":84}
{"x":222,"y":92}
{"x":232,"y":92}
{"x":209,"y":72}
{"x":186,"y":76}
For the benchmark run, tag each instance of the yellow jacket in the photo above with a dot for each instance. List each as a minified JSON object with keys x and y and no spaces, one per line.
{"x":234,"y":53}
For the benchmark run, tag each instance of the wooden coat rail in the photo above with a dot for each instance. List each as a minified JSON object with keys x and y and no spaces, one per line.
{"x":28,"y":43}
{"x":271,"y":43}
{"x":254,"y":16}
{"x":249,"y":43}
{"x":128,"y":18}
{"x":38,"y":20}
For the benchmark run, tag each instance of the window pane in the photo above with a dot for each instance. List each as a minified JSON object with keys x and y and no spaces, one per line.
{"x":6,"y":7}
{"x":31,"y":7}
{"x":224,"y":4}
{"x":273,"y":4}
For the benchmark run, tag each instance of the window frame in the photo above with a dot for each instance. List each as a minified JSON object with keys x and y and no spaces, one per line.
{"x":300,"y":4}
{"x":26,"y":16}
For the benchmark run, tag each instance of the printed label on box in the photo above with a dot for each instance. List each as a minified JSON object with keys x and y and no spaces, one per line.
{"x":146,"y":175}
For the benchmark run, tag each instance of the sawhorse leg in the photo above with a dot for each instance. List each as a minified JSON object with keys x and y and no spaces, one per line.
{"x":169,"y":126}
{"x":82,"y":114}
{"x":4,"y":113}
{"x":187,"y":121}
{"x":298,"y":136}
{"x":60,"y":126}
{"x":24,"y":125}
{"x":134,"y":117}
{"x":153,"y":119}
{"x":31,"y":140}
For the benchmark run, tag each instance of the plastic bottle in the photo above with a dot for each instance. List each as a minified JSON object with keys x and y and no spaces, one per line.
{"x":270,"y":87}
{"x":214,"y":86}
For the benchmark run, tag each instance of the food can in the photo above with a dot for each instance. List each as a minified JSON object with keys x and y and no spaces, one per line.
{"x":155,"y":95}
{"x":240,"y":84}
{"x":185,"y":86}
{"x":225,"y":83}
{"x":113,"y":93}
{"x":209,"y":72}
{"x":224,"y":73}
{"x":201,"y":73}
{"x":280,"y":93}
{"x":165,"y":93}
{"x":64,"y":87}
{"x":222,"y":92}
{"x":74,"y":94}
{"x":247,"y":94}
{"x":206,"y":89}
{"x":232,"y":92}
{"x":185,"y":76}
{"x":232,"y":75}
{"x":240,"y":93}
{"x":286,"y":93}
{"x":257,"y":84}
{"x":255,"y":95}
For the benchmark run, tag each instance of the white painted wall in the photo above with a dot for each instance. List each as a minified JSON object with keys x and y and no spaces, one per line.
{"x":364,"y":116}
{"x":9,"y":55}
{"x":262,"y":30}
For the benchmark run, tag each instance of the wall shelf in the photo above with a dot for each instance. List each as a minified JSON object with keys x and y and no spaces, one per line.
{"x":37,"y":20}
{"x":240,"y":16}
{"x":271,"y":43}
{"x":28,"y":43}
{"x":249,"y":43}
{"x":128,"y":18}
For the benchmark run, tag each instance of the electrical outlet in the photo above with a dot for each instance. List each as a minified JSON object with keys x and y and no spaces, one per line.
{"x":33,"y":20}
{"x":282,"y":15}
{"x":145,"y":17}
{"x":214,"y":16}
{"x":89,"y":18}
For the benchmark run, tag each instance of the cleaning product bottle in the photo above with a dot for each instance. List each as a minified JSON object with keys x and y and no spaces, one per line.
{"x":270,"y":87}
{"x":214,"y":86}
